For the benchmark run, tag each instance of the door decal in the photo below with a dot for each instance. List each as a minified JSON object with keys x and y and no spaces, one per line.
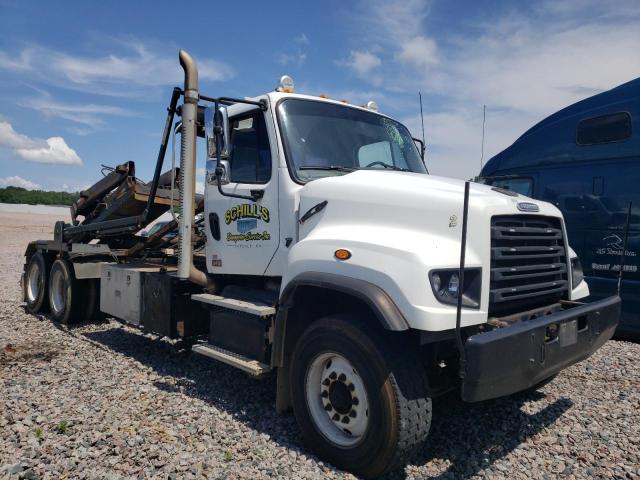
{"x":247,"y":218}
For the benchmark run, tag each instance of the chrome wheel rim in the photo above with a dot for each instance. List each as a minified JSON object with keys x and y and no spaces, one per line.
{"x":337,"y":399}
{"x":34,"y":282}
{"x":57,"y":288}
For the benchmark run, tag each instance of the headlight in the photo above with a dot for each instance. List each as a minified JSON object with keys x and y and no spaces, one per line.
{"x":446,"y":286}
{"x":577,"y":274}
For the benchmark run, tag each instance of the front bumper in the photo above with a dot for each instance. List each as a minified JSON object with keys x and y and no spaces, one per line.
{"x":514,"y":358}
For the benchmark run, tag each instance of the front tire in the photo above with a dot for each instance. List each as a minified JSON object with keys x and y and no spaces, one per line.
{"x":360,"y":399}
{"x":68,"y":297}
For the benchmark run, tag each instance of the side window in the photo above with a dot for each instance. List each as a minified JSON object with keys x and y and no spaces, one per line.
{"x":521,"y":185}
{"x":615,"y":127}
{"x":250,"y":153}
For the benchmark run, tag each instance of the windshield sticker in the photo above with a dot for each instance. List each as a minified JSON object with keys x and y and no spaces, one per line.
{"x":393,"y":131}
{"x":246,"y":217}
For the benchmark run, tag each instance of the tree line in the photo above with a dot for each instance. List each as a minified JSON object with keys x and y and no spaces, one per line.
{"x":36,"y":197}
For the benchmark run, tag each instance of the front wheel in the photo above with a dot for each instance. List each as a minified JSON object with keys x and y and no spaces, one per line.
{"x":360,"y":399}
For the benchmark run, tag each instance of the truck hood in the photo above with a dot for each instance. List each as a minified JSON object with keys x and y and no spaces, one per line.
{"x":399,"y":227}
{"x":407,"y":200}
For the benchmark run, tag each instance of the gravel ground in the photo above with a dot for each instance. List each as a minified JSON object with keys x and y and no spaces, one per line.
{"x":107,"y":401}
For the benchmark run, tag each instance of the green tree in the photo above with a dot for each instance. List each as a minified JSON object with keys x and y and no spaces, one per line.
{"x":36,"y":197}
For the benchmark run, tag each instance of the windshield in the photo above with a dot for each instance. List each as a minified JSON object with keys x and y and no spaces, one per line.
{"x":323,"y":139}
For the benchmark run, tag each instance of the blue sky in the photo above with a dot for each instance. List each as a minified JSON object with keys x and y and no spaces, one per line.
{"x":87,"y":83}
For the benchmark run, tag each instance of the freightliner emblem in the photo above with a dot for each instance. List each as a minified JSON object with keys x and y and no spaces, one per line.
{"x":528,"y":207}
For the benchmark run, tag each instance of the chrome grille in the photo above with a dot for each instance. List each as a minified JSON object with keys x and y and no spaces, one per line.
{"x":528,"y":263}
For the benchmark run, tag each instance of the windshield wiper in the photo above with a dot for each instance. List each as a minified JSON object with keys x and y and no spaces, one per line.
{"x":340,"y":168}
{"x":395,"y":167}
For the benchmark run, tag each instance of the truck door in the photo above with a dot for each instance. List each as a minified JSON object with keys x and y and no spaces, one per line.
{"x":243,"y":235}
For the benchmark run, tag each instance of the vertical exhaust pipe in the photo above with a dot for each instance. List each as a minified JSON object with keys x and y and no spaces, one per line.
{"x":186,"y":268}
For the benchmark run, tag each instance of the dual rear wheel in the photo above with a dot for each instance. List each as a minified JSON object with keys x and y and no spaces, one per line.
{"x":52,"y":287}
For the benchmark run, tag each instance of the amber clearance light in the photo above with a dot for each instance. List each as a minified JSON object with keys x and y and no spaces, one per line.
{"x":342,"y":254}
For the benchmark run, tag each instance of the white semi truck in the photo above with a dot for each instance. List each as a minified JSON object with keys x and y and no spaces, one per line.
{"x":322,"y":252}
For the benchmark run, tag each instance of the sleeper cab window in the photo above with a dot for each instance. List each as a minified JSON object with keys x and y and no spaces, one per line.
{"x":250,"y":157}
{"x":614,"y":127}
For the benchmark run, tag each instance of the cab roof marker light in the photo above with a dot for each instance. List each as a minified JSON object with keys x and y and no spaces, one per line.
{"x":285,"y":85}
{"x":373,"y":106}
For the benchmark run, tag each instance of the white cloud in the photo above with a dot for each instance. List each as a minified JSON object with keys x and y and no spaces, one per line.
{"x":295,"y":56}
{"x":53,"y":150}
{"x":126,"y":65}
{"x":74,"y":188}
{"x":16,"y":181}
{"x":419,"y":51}
{"x":21,"y":63}
{"x":90,"y":115}
{"x":392,"y":20}
{"x":296,"y":59}
{"x":363,"y":63}
{"x":10,"y":138}
{"x":139,"y":66}
{"x":302,"y":39}
{"x":57,"y":151}
{"x":524,"y":65}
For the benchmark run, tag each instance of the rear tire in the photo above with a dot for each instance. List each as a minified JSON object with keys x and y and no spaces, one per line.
{"x":92,"y":290}
{"x":360,"y":399}
{"x":36,"y":283}
{"x":69,"y":300}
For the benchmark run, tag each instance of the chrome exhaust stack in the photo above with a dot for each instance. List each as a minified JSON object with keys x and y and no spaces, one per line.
{"x":186,"y":268}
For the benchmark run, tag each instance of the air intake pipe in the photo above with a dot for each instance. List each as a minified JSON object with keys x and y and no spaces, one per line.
{"x":186,"y":268}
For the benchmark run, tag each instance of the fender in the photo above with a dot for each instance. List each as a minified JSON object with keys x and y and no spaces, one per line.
{"x":385,"y":310}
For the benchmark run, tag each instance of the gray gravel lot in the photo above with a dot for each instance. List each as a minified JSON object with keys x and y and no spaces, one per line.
{"x":107,"y":401}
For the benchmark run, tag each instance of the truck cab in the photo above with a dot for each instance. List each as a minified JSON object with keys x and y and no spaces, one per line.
{"x":323,"y":252}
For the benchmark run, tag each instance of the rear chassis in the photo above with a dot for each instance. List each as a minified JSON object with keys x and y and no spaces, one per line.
{"x":511,"y":359}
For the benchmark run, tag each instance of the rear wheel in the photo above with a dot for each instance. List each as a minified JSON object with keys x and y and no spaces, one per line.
{"x":35,"y":283}
{"x":361,"y":399}
{"x":69,"y":298}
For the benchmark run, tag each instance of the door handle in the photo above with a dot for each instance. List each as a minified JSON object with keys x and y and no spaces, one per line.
{"x":257,"y":194}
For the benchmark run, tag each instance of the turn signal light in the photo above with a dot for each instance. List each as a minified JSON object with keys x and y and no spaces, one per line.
{"x":342,"y":254}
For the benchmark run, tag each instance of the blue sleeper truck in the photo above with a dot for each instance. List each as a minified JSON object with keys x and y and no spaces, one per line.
{"x":585,"y":159}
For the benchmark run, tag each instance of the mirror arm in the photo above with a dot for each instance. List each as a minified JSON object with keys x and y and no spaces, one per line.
{"x":255,"y":194}
{"x":422,"y":146}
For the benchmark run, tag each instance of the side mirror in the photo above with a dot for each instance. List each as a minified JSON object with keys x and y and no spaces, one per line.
{"x":223,"y":170}
{"x":217,"y":132}
{"x":421,"y":147}
{"x":217,"y":137}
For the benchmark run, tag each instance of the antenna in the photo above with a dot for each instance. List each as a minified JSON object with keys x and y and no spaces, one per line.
{"x":484,"y":118}
{"x":422,"y":119}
